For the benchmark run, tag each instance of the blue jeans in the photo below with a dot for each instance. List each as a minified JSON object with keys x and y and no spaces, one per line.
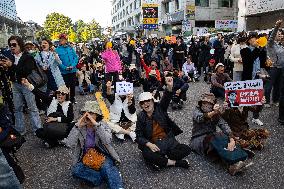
{"x":91,"y":88}
{"x":108,"y":172}
{"x":8,"y":179}
{"x":218,"y":92}
{"x":237,"y":75}
{"x":21,"y":94}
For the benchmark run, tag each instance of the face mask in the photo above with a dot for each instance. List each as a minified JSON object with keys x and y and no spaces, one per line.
{"x":31,"y":51}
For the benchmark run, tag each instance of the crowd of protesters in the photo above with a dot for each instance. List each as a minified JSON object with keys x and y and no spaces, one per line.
{"x":42,"y":79}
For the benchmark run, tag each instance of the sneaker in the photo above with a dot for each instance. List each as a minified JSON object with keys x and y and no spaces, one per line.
{"x":267,"y":106}
{"x":132,"y":136}
{"x":46,"y":144}
{"x":250,"y":153}
{"x":236,"y":168}
{"x":257,"y":121}
{"x":120,"y":136}
{"x":276,"y":104}
{"x":182,"y":163}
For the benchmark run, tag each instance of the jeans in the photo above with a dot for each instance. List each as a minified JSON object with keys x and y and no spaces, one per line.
{"x":21,"y":93}
{"x":108,"y":172}
{"x":159,"y":159}
{"x":8,"y":179}
{"x":70,"y":82}
{"x":91,"y":88}
{"x":275,"y":83}
{"x":218,"y":92}
{"x":237,"y":76}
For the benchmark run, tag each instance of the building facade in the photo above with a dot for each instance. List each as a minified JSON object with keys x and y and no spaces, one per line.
{"x":9,"y":22}
{"x":126,"y":15}
{"x":259,"y":15}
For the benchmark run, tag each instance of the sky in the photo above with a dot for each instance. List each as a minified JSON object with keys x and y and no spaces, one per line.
{"x":86,"y":10}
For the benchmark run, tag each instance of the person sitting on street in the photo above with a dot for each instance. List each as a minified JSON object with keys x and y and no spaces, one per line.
{"x":206,"y":118}
{"x":179,"y":90}
{"x":218,"y":80}
{"x":166,"y":66}
{"x":189,"y":70}
{"x":122,"y":114}
{"x":156,"y":132}
{"x":98,"y":77}
{"x":95,"y":158}
{"x":131,"y":75}
{"x":60,"y":110}
{"x":84,"y":78}
{"x":152,"y":68}
{"x":236,"y":117}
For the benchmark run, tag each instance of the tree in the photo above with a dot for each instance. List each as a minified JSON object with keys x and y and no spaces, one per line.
{"x":72,"y":35}
{"x":55,"y":24}
{"x":85,"y":35}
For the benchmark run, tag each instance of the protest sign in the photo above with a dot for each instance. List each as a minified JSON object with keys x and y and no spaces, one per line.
{"x":226,"y":24}
{"x":244,"y":93}
{"x":124,"y":88}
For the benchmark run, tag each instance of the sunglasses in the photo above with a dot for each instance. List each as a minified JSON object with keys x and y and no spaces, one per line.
{"x":145,"y":101}
{"x":13,"y":45}
{"x":60,"y":93}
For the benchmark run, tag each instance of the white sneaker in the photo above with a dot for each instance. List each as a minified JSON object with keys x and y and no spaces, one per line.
{"x":132,"y":136}
{"x":257,"y":121}
{"x":267,"y":106}
{"x":276,"y":104}
{"x":120,"y":136}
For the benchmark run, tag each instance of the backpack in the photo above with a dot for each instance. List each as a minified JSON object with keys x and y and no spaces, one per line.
{"x":37,"y":78}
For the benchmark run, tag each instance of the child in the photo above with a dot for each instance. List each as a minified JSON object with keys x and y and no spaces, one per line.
{"x":84,"y":77}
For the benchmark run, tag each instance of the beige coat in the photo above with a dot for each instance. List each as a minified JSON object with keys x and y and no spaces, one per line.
{"x":235,"y":56}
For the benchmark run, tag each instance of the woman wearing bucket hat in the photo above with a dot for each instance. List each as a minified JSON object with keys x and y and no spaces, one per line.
{"x":60,"y":110}
{"x":206,"y":141}
{"x":218,"y":80}
{"x":95,"y":158}
{"x":156,"y":132}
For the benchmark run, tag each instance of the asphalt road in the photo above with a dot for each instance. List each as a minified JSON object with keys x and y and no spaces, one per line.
{"x":50,"y":168}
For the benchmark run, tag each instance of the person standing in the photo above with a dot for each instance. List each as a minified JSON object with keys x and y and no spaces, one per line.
{"x":179,"y":54}
{"x":68,"y":68}
{"x":20,"y":68}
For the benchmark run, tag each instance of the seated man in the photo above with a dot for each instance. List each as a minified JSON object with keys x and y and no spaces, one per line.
{"x":236,"y":117}
{"x":156,"y":132}
{"x":218,"y":80}
{"x":179,"y":90}
{"x":206,"y":141}
{"x":122,"y":114}
{"x":166,"y":66}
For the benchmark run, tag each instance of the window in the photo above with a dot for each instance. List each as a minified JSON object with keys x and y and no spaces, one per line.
{"x":130,"y":8}
{"x":177,"y":4}
{"x":202,"y":3}
{"x":167,"y":7}
{"x":225,"y":3}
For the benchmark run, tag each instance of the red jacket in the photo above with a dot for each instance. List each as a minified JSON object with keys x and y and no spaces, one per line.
{"x":148,"y":70}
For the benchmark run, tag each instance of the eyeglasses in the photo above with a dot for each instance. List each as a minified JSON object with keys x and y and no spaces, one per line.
{"x":13,"y":45}
{"x":145,"y":101}
{"x":60,"y":93}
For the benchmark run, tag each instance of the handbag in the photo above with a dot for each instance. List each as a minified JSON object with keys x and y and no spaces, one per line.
{"x":11,"y":139}
{"x":56,"y":130}
{"x":220,"y":143}
{"x":37,"y":78}
{"x":93,"y":159}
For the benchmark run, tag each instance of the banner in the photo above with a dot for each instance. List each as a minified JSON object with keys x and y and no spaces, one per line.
{"x":226,"y":24}
{"x":124,"y":88}
{"x":150,"y":15}
{"x":186,"y":26}
{"x":244,"y":93}
{"x":190,"y":12}
{"x":200,"y":31}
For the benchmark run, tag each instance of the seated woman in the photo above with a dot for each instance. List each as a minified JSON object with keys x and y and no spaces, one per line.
{"x":122,"y":114}
{"x":91,"y":139}
{"x":206,"y":141}
{"x":84,"y":78}
{"x":236,"y":117}
{"x":156,"y":132}
{"x":60,"y":110}
{"x":218,"y":80}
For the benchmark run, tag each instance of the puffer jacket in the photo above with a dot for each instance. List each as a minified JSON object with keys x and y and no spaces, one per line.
{"x":77,"y":139}
{"x":68,"y":57}
{"x":144,"y":129}
{"x":275,"y":51}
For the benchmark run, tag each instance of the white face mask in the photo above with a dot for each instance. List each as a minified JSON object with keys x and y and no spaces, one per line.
{"x":31,"y":51}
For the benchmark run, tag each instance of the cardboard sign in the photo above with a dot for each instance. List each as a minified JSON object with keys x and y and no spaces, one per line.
{"x":244,"y":93}
{"x":124,"y":88}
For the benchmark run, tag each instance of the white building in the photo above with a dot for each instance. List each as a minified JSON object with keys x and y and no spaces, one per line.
{"x":126,"y":15}
{"x":9,"y":22}
{"x":206,"y":12}
{"x":259,"y":14}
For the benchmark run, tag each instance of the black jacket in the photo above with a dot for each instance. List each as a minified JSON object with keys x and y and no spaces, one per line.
{"x":24,"y":68}
{"x":248,"y":58}
{"x":144,"y":124}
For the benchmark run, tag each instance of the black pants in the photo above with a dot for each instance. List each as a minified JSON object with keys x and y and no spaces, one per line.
{"x":178,"y":63}
{"x":70,"y":82}
{"x":159,"y":159}
{"x":281,"y":102}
